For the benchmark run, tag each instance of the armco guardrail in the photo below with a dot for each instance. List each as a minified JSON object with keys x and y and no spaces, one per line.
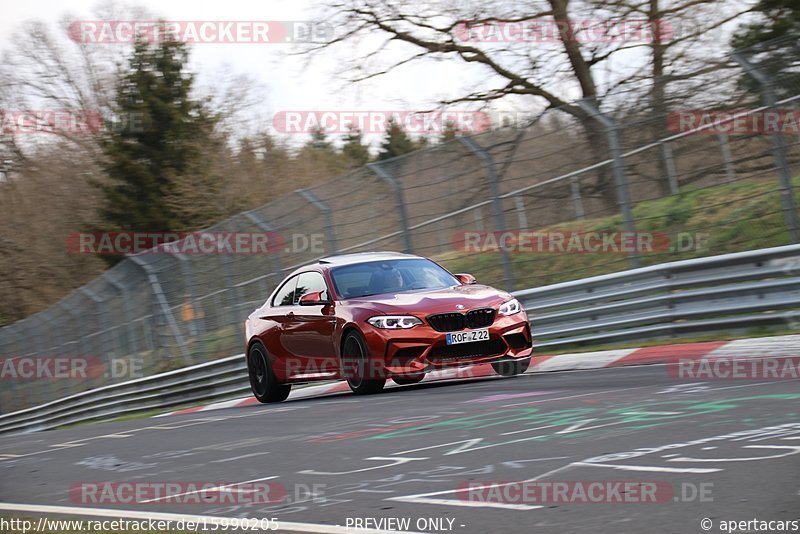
{"x":217,"y":379}
{"x":714,"y":294}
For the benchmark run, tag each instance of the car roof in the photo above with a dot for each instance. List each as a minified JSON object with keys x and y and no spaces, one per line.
{"x":363,"y":257}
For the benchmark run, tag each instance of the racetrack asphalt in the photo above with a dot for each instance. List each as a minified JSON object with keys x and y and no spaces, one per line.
{"x":718,"y":449}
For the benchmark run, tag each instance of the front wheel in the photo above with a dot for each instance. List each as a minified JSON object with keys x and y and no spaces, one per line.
{"x":511,"y":367}
{"x":355,"y":357}
{"x":404,"y":380}
{"x":265,"y":386}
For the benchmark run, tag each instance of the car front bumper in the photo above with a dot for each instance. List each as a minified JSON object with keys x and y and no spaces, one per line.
{"x":422,"y":349}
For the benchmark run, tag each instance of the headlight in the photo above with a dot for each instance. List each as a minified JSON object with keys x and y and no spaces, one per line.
{"x":394,"y":322}
{"x":510,"y":307}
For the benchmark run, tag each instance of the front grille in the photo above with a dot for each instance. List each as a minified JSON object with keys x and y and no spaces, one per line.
{"x":480,"y":318}
{"x":452,"y":322}
{"x":448,"y":322}
{"x":476,"y":349}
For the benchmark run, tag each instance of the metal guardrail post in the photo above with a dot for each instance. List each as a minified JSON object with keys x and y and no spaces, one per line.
{"x":312,"y":199}
{"x":400,"y":202}
{"x":623,"y":195}
{"x":767,"y":84}
{"x":158,"y":293}
{"x":497,"y":206}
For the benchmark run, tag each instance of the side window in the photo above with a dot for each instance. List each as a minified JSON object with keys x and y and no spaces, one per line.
{"x":285,"y":295}
{"x":308,"y":283}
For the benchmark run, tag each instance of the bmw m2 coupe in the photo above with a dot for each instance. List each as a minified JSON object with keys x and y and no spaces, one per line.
{"x":375,"y":316}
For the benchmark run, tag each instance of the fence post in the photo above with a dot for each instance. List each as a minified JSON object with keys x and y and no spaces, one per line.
{"x":400,"y":202}
{"x":497,"y":206}
{"x":52,"y":386}
{"x":100,"y":305}
{"x":161,"y":300}
{"x":187,"y":273}
{"x":133,"y":342}
{"x":81,"y":338}
{"x":264,"y":225}
{"x":522,"y":218}
{"x":767,"y":84}
{"x":623,"y":195}
{"x":229,"y":289}
{"x":669,"y":163}
{"x":312,"y":199}
{"x":727,"y":158}
{"x":440,"y":236}
{"x":577,"y":200}
{"x":477,"y":214}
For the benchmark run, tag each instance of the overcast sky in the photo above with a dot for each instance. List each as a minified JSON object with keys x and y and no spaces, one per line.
{"x":288,"y":84}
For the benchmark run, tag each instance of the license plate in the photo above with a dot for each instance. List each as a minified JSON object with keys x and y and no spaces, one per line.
{"x":467,"y":336}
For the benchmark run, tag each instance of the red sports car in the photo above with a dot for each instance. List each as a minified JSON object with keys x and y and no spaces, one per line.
{"x":373,"y":316}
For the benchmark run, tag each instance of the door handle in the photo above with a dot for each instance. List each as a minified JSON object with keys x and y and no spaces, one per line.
{"x":290,"y":315}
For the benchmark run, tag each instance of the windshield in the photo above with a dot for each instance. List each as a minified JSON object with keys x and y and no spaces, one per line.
{"x":389,"y":276}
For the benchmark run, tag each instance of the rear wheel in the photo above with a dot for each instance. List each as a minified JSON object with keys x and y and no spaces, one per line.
{"x":404,"y":380}
{"x":512,"y":367}
{"x":358,"y":370}
{"x":265,"y":386}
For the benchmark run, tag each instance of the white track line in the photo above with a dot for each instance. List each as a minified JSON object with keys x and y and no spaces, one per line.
{"x":238,"y":457}
{"x":649,"y":468}
{"x":427,"y":498}
{"x":204,"y":490}
{"x":283,"y":526}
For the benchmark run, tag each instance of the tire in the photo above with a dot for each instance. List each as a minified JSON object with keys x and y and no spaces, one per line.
{"x":263,"y":383}
{"x":355,"y":358}
{"x":404,"y":380}
{"x":511,"y":368}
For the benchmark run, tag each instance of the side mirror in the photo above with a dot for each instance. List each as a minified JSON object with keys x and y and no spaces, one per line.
{"x":313,"y":299}
{"x":466,"y":279}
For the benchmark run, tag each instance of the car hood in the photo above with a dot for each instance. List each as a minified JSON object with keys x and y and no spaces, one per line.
{"x":434,"y":301}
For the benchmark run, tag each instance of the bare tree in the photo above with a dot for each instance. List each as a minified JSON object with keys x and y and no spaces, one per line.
{"x":546,"y":53}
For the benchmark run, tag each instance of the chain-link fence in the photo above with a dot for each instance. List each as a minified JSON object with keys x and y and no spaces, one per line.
{"x":576,"y":192}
